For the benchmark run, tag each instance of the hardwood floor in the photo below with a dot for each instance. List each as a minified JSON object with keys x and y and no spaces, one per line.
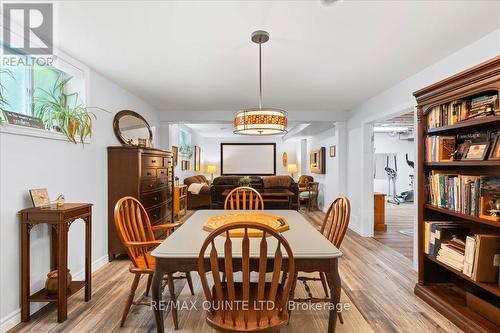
{"x":377,"y":279}
{"x":399,"y":234}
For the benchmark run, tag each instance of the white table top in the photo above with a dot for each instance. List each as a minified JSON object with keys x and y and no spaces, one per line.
{"x":305,"y":241}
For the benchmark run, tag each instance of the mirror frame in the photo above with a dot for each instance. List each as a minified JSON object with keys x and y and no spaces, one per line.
{"x":116,"y":126}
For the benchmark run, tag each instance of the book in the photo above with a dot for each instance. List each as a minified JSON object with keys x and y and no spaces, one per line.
{"x":444,"y":233}
{"x":487,"y":247}
{"x":439,"y":148}
{"x":470,"y":249}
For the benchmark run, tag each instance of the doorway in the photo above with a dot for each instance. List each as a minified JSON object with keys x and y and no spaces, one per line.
{"x":393,"y":183}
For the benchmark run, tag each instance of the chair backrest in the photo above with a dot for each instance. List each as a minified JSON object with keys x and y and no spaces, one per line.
{"x":133,"y":227}
{"x":336,"y":221}
{"x":304,"y":179}
{"x":214,"y":259}
{"x":244,"y":198}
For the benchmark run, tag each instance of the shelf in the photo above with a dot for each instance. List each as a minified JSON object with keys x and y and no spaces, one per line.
{"x":480,"y":122}
{"x":463,"y":164}
{"x":462,"y":216}
{"x":491,"y":287}
{"x":43,"y":296}
{"x":449,"y":300}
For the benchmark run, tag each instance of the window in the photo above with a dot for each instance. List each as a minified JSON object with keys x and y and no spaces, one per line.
{"x":23,"y":87}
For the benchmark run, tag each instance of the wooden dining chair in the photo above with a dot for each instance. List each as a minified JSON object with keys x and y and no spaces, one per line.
{"x":334,"y":228}
{"x":244,"y":198}
{"x":137,"y":236}
{"x":247,"y":306}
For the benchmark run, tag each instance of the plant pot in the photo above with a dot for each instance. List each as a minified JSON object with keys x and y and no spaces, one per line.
{"x":51,"y":282}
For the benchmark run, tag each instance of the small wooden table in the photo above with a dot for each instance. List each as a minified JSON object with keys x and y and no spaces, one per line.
{"x":60,"y":219}
{"x":180,"y":200}
{"x":379,"y":212}
{"x":272,"y":195}
{"x":311,"y":250}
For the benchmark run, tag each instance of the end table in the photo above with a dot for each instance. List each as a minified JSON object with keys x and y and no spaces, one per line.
{"x":60,"y":220}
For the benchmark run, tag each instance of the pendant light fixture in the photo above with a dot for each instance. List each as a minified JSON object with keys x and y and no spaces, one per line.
{"x":261,"y":120}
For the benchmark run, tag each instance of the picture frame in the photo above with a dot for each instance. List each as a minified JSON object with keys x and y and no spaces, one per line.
{"x":476,"y":151}
{"x":175,"y":155}
{"x":197,"y":158}
{"x":461,"y":150}
{"x":185,"y":165}
{"x":317,"y":161}
{"x":333,"y":151}
{"x":40,"y":197}
{"x":495,"y":149}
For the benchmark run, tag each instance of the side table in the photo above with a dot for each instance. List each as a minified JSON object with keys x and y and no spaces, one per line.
{"x":60,"y":220}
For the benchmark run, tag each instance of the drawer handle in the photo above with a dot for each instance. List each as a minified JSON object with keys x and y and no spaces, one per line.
{"x":148,"y":173}
{"x":150,"y":185}
{"x":162,"y":183}
{"x":153,"y":161}
{"x":162,"y":172}
{"x":155,"y":198}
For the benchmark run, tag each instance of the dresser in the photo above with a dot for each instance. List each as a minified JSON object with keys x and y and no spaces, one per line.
{"x":145,"y":174}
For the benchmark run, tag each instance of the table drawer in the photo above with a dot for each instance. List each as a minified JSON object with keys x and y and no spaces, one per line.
{"x":152,"y":161}
{"x":153,"y":184}
{"x":153,"y":198}
{"x":161,"y":173}
{"x":157,"y":214}
{"x":167,"y":162}
{"x":148,"y":173}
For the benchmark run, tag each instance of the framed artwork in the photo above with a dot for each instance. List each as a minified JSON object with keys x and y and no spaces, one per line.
{"x":477,"y":151}
{"x":185,"y":148}
{"x":185,"y":165}
{"x":333,"y":151}
{"x":495,"y":150}
{"x":175,"y":155}
{"x":317,"y":161}
{"x":461,"y":150}
{"x":197,"y":158}
{"x":40,"y":197}
{"x":284,"y":159}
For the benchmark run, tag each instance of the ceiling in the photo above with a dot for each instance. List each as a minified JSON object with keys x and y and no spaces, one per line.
{"x":197,"y":55}
{"x":404,"y":121}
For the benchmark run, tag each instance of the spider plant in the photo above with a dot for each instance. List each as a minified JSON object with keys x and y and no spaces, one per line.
{"x":64,"y":111}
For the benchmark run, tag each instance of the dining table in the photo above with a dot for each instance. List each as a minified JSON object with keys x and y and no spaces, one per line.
{"x":179,"y":253}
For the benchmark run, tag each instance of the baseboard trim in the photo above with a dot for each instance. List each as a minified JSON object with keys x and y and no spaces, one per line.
{"x":14,"y":318}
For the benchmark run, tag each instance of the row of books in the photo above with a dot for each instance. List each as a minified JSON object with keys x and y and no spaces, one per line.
{"x":459,"y":110}
{"x":461,"y":193}
{"x":439,"y":148}
{"x":474,"y":255}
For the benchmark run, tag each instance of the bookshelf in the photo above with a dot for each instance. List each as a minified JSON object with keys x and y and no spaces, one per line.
{"x":440,"y":285}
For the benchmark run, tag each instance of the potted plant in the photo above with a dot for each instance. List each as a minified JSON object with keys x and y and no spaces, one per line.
{"x":64,"y":112}
{"x":245,"y":181}
{"x":3,"y":91}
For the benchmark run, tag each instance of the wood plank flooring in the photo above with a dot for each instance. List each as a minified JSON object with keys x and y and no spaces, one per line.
{"x":377,"y":279}
{"x":398,"y":218}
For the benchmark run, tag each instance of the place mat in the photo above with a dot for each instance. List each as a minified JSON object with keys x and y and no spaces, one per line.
{"x":273,"y":221}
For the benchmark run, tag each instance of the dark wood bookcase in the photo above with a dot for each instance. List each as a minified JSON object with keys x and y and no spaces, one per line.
{"x":441,"y":286}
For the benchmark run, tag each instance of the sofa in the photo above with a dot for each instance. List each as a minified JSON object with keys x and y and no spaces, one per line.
{"x":222,"y":183}
{"x":201,"y":200}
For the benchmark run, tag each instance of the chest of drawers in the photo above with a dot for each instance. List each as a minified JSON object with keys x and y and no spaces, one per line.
{"x":145,"y":174}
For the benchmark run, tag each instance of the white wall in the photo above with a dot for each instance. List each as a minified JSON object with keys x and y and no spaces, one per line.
{"x":79,"y":172}
{"x":173,"y":134}
{"x":393,"y":101}
{"x":384,"y":143}
{"x":332,"y":183}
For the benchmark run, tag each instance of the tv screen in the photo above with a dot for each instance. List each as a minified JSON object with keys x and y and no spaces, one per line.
{"x":247,"y":159}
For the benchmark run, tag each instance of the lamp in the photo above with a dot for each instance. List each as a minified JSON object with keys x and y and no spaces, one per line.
{"x":261,"y":120}
{"x":211,"y":169}
{"x":292,"y":168}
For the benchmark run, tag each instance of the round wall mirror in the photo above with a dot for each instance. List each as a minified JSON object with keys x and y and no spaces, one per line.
{"x":132,"y":129}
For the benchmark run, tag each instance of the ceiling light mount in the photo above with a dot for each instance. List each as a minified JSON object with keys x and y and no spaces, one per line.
{"x":261,"y":120}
